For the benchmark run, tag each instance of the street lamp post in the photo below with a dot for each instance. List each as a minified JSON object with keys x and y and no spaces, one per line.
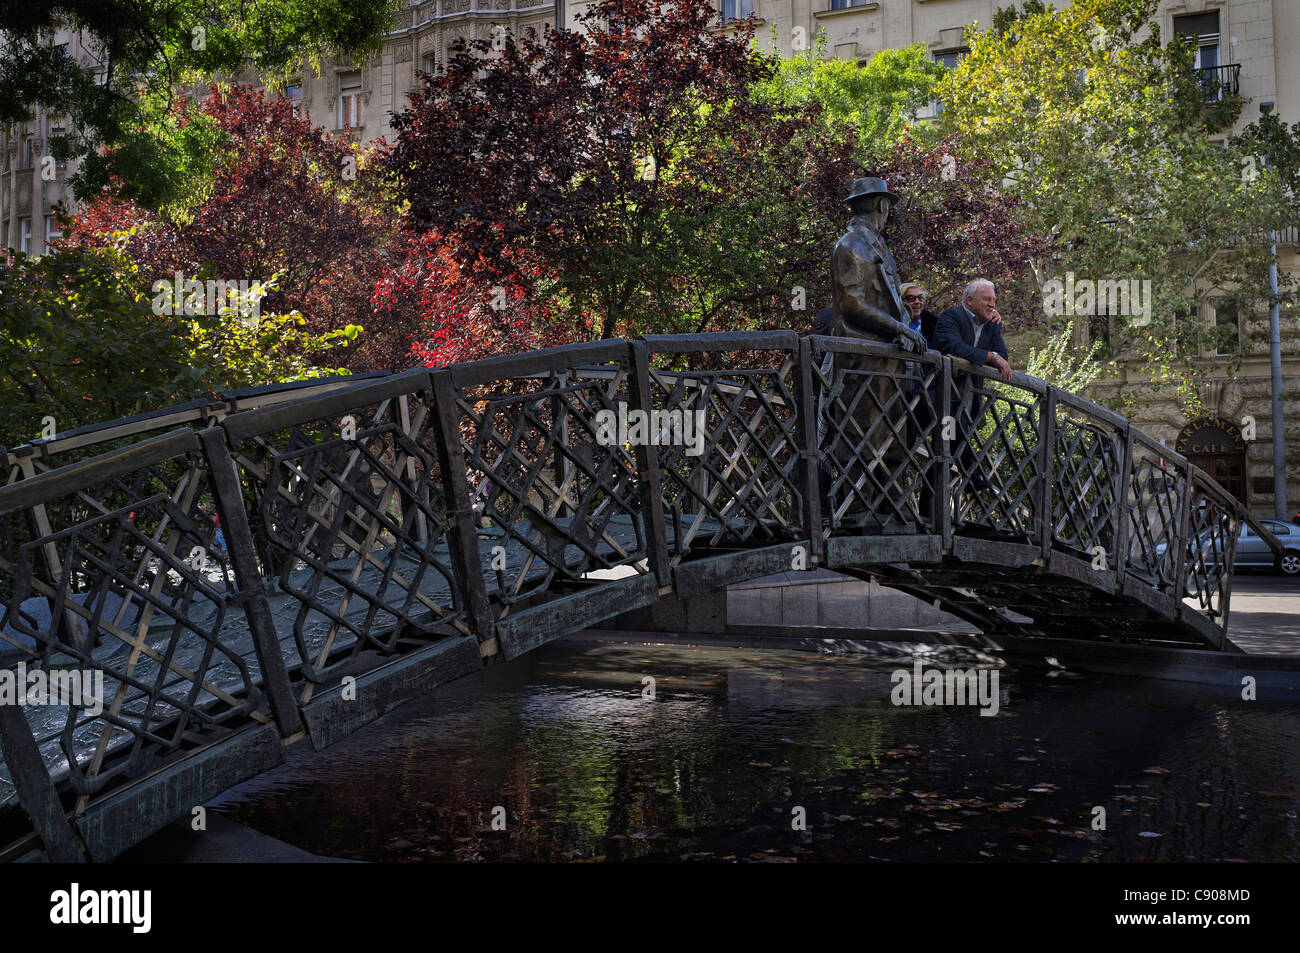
{"x":1275,"y":349}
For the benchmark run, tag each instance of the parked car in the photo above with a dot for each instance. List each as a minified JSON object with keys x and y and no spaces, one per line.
{"x":1253,"y":552}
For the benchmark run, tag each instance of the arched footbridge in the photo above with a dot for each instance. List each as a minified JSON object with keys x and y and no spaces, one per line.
{"x":292,"y":562}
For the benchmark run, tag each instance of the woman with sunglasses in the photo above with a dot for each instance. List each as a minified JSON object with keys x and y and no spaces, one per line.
{"x":914,"y":300}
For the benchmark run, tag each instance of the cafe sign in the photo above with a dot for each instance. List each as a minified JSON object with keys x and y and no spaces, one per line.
{"x":1209,"y":435}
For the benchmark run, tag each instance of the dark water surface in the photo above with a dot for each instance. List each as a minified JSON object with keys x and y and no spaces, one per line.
{"x":735,"y":739}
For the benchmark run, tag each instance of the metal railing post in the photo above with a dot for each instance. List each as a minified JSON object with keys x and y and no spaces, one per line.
{"x":36,"y":792}
{"x":1181,"y":533}
{"x":462,"y":533}
{"x":248,"y":579}
{"x":809,"y":452}
{"x":1046,"y":469}
{"x":1121,"y":517}
{"x":649,"y":480}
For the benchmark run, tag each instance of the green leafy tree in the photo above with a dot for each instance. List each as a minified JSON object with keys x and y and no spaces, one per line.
{"x":1101,"y":131}
{"x":81,"y":341}
{"x":879,"y":99}
{"x":147,"y":52}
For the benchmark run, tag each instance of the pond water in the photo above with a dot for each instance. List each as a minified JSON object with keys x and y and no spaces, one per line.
{"x":740,"y":748}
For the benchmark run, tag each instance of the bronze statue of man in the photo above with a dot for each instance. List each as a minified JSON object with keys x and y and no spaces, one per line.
{"x":867,"y":306}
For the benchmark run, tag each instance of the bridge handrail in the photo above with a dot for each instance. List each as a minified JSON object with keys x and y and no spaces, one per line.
{"x":196,"y":413}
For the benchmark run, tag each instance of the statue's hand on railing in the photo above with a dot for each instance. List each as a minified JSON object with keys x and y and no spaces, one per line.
{"x":912,"y":341}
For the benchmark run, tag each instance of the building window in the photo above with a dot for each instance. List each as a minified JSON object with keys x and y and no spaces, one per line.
{"x":844,"y":4}
{"x":25,"y":235}
{"x":1227,"y":328}
{"x":737,"y":9}
{"x":1202,"y":29}
{"x":52,"y":234}
{"x":350,"y":100}
{"x":949,"y":59}
{"x":293,"y":93}
{"x":1099,"y":330}
{"x":429,"y":63}
{"x":27,"y":154}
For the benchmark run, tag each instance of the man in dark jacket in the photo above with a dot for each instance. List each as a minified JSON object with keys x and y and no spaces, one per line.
{"x":972,"y":331}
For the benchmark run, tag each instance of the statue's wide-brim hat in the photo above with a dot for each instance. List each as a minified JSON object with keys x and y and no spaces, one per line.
{"x":864,"y":187}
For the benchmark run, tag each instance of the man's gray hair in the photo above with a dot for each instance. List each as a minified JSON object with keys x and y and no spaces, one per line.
{"x":974,"y":287}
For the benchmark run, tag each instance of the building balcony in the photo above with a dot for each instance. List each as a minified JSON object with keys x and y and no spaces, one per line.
{"x":1220,"y":82}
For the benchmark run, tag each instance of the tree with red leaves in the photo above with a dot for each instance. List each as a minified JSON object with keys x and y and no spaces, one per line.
{"x":285,"y":197}
{"x":459,"y":318}
{"x":628,"y":172}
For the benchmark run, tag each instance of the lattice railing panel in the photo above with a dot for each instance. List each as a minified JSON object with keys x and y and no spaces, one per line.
{"x":349,"y":514}
{"x":126,"y":583}
{"x":728,"y":455}
{"x":1000,"y":431}
{"x":879,"y":440}
{"x":1085,"y":483}
{"x":1212,"y":530}
{"x":554,"y":479}
{"x":1157,"y":485}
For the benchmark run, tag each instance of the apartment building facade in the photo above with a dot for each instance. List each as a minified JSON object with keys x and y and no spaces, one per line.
{"x":1249,"y":47}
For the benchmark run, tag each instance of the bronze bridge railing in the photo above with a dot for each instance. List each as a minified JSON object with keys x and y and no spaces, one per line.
{"x":295,"y":561}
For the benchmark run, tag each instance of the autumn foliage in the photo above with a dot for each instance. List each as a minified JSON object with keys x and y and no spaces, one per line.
{"x":461,"y":318}
{"x":285,"y":198}
{"x":634,"y":163}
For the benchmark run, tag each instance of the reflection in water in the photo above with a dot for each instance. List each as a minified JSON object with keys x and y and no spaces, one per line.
{"x":735,"y":739}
